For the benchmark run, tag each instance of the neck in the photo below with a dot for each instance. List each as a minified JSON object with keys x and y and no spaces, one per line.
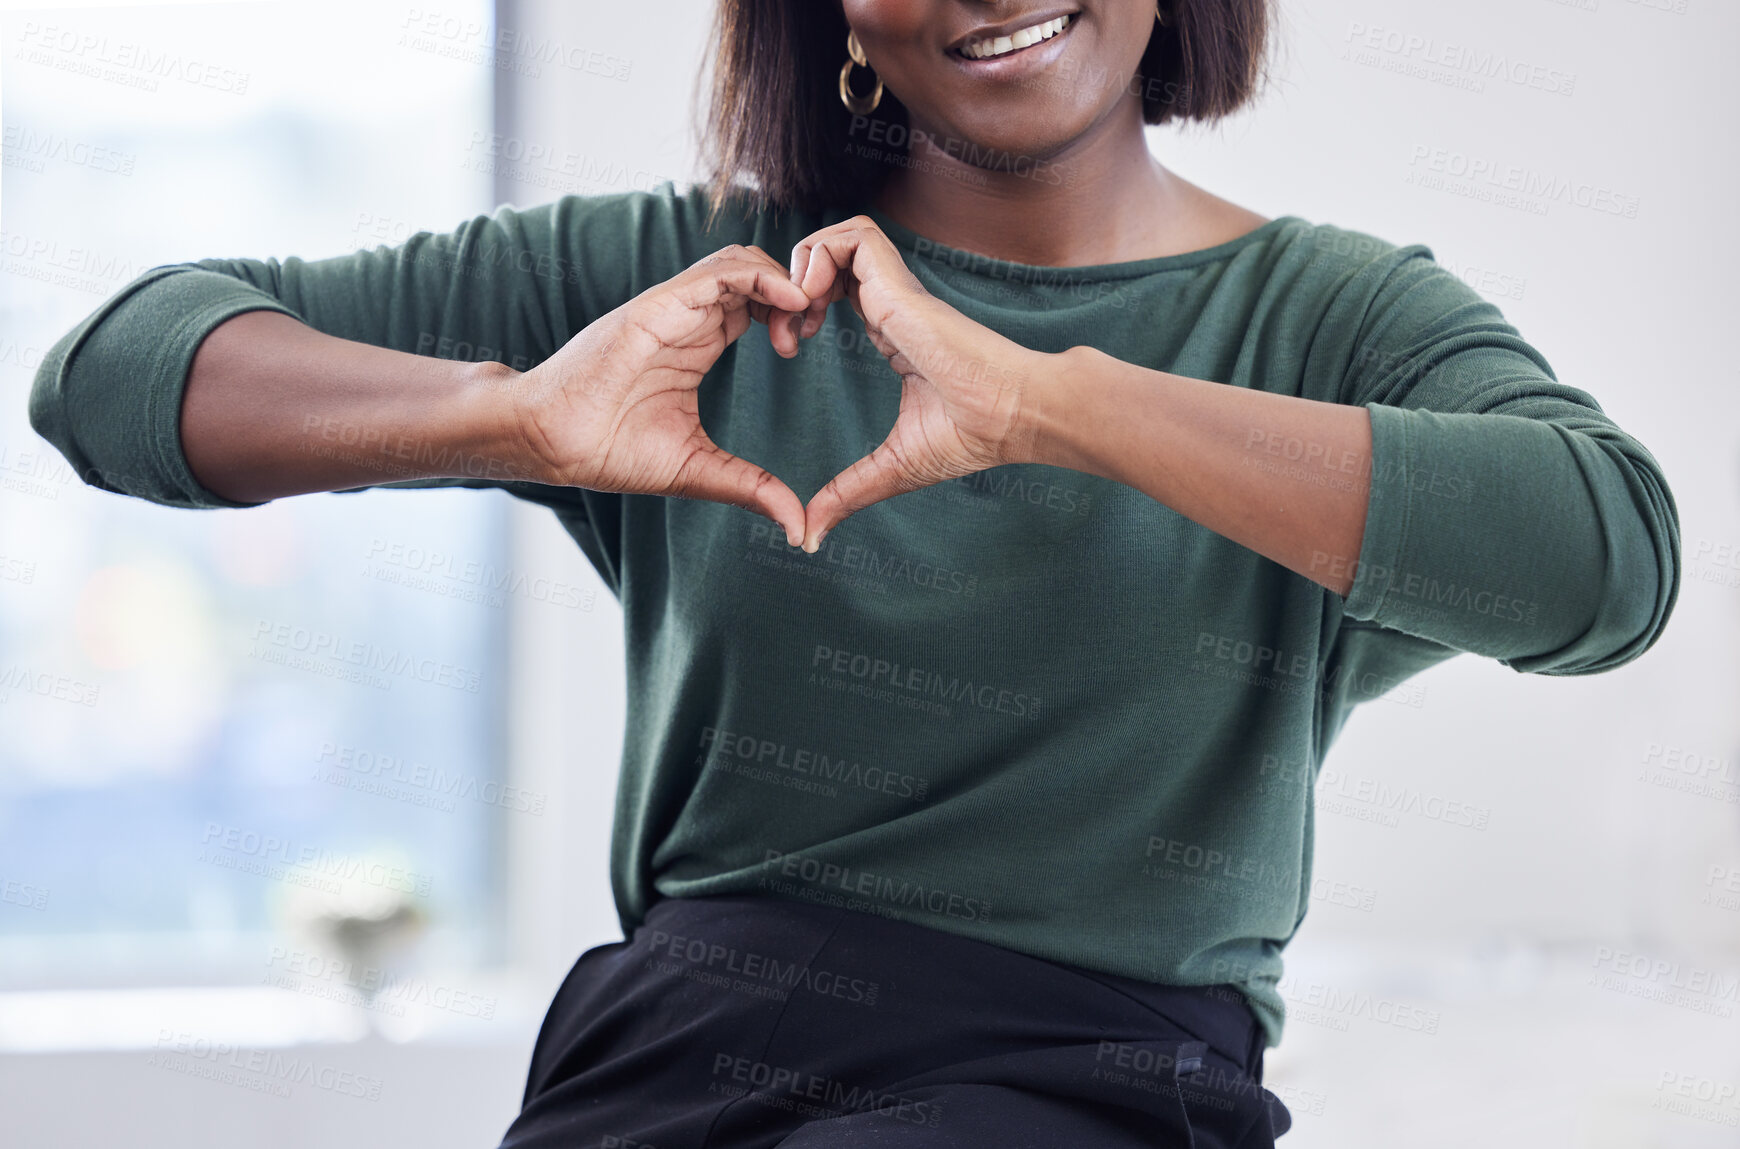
{"x":1101,"y":198}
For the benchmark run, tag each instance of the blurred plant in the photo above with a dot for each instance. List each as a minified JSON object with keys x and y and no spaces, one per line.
{"x":367,"y":926}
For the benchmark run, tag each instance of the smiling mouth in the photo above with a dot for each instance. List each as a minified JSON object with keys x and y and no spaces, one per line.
{"x":997,"y":47}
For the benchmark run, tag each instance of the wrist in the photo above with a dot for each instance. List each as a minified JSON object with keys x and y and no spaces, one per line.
{"x":1059,"y":408}
{"x":485,"y":400}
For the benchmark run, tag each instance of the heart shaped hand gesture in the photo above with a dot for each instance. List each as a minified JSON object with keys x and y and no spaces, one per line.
{"x":615,"y":409}
{"x":967,"y":394}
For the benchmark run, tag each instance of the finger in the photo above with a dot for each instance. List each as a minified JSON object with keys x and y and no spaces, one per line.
{"x":846,"y":243}
{"x":824,"y":263}
{"x":827,"y":267}
{"x":758,"y":293}
{"x":715,"y":474}
{"x":822,"y":260}
{"x":841,"y":262}
{"x":800,"y":254}
{"x":748,"y":275}
{"x":783,"y":327}
{"x":775,"y":320}
{"x":826,"y":258}
{"x":793,"y":323}
{"x":814,"y":318}
{"x":877,"y":476}
{"x":809,"y":321}
{"x":759,"y":257}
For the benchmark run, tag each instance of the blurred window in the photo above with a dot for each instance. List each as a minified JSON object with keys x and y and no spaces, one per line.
{"x":214,"y":724}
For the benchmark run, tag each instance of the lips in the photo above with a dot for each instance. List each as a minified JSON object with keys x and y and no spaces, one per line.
{"x":1015,"y":36}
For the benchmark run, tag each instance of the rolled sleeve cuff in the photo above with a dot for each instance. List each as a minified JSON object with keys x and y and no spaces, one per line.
{"x":1386,"y":516}
{"x":167,"y":318}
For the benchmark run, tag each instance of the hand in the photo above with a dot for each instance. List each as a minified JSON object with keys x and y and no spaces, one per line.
{"x":615,"y":409}
{"x":968,"y":398}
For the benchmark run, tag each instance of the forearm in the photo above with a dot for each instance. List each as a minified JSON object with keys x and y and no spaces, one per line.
{"x":273,"y":407}
{"x":1286,"y":477}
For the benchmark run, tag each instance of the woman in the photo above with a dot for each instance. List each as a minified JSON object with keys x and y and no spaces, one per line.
{"x":983,"y":818}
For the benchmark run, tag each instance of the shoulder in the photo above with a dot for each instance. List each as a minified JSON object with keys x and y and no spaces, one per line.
{"x":1362,"y":278}
{"x":1329,"y":251}
{"x":1292,"y":245}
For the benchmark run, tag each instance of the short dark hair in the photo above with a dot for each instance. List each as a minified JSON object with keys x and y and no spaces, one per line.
{"x":776,"y":133}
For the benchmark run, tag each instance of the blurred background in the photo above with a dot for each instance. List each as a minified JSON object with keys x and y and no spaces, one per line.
{"x":245,"y":898}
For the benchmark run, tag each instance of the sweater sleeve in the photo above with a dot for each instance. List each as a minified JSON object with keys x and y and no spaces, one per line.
{"x":512,"y":286}
{"x":1508,"y":516}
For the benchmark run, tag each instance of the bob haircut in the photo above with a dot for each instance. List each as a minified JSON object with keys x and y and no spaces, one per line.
{"x":775,"y":127}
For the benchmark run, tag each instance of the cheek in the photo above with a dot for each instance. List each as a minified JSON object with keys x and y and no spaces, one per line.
{"x":894,"y":20}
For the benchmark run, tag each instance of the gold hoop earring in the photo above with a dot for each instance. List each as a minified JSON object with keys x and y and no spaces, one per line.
{"x":1159,"y":17}
{"x":857,"y":105}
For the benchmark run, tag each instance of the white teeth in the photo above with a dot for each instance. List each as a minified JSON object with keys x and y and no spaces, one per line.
{"x":1025,"y":37}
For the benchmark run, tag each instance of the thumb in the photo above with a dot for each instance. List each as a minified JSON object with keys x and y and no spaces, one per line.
{"x":716,"y":475}
{"x":875,"y":477}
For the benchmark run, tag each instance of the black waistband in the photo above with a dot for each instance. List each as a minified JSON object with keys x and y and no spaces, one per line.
{"x":926,"y":963}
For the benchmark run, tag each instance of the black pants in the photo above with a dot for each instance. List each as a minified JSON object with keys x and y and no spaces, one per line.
{"x":731,"y":1023}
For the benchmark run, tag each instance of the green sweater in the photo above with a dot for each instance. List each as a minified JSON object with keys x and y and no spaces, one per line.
{"x":1031,"y":706}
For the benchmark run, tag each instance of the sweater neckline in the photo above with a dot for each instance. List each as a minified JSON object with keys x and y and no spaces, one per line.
{"x":975,"y":263}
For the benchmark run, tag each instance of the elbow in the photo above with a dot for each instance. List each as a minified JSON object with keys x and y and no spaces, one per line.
{"x":49,"y":414}
{"x":1639,"y":587}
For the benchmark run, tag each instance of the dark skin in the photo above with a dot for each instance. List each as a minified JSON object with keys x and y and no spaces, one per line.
{"x":1119,"y":202}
